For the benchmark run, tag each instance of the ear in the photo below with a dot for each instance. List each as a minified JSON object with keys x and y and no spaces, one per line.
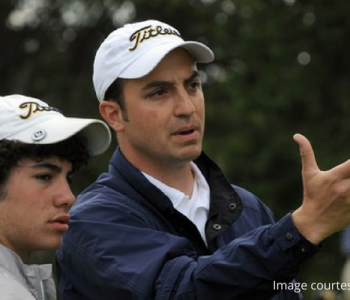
{"x":112,"y":113}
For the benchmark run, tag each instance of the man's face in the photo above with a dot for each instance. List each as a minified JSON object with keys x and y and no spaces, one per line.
{"x":33,"y":214}
{"x":164,"y":122}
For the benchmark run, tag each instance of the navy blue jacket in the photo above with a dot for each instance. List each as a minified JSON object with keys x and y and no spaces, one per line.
{"x":126,"y":241}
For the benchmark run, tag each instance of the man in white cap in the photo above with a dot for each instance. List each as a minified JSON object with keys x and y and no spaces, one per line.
{"x":40,"y":149}
{"x":164,"y":222}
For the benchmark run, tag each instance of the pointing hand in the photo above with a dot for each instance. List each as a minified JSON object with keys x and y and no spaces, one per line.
{"x":326,"y":196}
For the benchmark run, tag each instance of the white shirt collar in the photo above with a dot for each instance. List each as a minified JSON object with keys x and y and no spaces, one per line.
{"x":177,"y":196}
{"x":195,"y":208}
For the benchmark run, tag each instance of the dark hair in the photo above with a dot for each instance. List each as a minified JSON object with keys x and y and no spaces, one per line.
{"x":73,"y":149}
{"x":115,"y":92}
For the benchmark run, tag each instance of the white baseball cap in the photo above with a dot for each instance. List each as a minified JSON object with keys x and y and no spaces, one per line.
{"x":33,"y":121}
{"x":135,"y":49}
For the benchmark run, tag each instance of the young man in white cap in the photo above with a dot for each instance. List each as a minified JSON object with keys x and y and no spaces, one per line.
{"x":164,"y":223}
{"x":40,"y":149}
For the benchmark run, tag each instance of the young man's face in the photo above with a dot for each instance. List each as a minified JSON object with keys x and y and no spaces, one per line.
{"x":33,"y":214}
{"x":164,"y":122}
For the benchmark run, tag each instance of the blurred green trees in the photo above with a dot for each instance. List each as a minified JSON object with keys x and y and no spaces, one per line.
{"x":282,"y":66}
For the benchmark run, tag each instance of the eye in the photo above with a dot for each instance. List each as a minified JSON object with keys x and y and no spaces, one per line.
{"x":44,"y":177}
{"x":157,"y":93}
{"x":195,"y":85}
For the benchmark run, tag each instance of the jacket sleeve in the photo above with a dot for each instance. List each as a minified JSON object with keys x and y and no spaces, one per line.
{"x":247,"y":268}
{"x":109,"y":254}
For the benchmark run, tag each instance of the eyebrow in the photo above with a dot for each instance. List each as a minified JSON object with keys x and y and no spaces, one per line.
{"x":53,"y":167}
{"x":46,"y":165}
{"x":158,"y":83}
{"x":194,"y":75}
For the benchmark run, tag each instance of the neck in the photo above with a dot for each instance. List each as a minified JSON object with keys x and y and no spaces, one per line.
{"x":24,"y":255}
{"x":181,"y":179}
{"x":176,"y":175}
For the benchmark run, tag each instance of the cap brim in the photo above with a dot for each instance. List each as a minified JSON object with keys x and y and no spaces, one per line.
{"x":59,"y":128}
{"x":149,"y":60}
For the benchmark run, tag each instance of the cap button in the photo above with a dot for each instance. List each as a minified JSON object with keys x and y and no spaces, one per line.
{"x":38,"y":135}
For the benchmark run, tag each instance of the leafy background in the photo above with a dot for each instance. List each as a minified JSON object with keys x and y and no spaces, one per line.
{"x":281,"y":67}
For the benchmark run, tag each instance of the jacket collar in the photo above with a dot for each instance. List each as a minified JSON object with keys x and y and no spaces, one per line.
{"x":33,"y":277}
{"x":225,"y":203}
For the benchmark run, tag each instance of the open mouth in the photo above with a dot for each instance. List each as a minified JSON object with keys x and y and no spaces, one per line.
{"x":61,"y":221}
{"x":186,"y":132}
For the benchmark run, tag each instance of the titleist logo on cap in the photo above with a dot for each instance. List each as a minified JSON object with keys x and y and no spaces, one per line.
{"x":148,"y":32}
{"x":33,"y":107}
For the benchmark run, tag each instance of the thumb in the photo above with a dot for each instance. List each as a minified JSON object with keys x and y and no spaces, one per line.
{"x":308,"y":159}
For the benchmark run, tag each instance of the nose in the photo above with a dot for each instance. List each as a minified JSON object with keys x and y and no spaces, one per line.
{"x":184,"y":106}
{"x":65,"y":196}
